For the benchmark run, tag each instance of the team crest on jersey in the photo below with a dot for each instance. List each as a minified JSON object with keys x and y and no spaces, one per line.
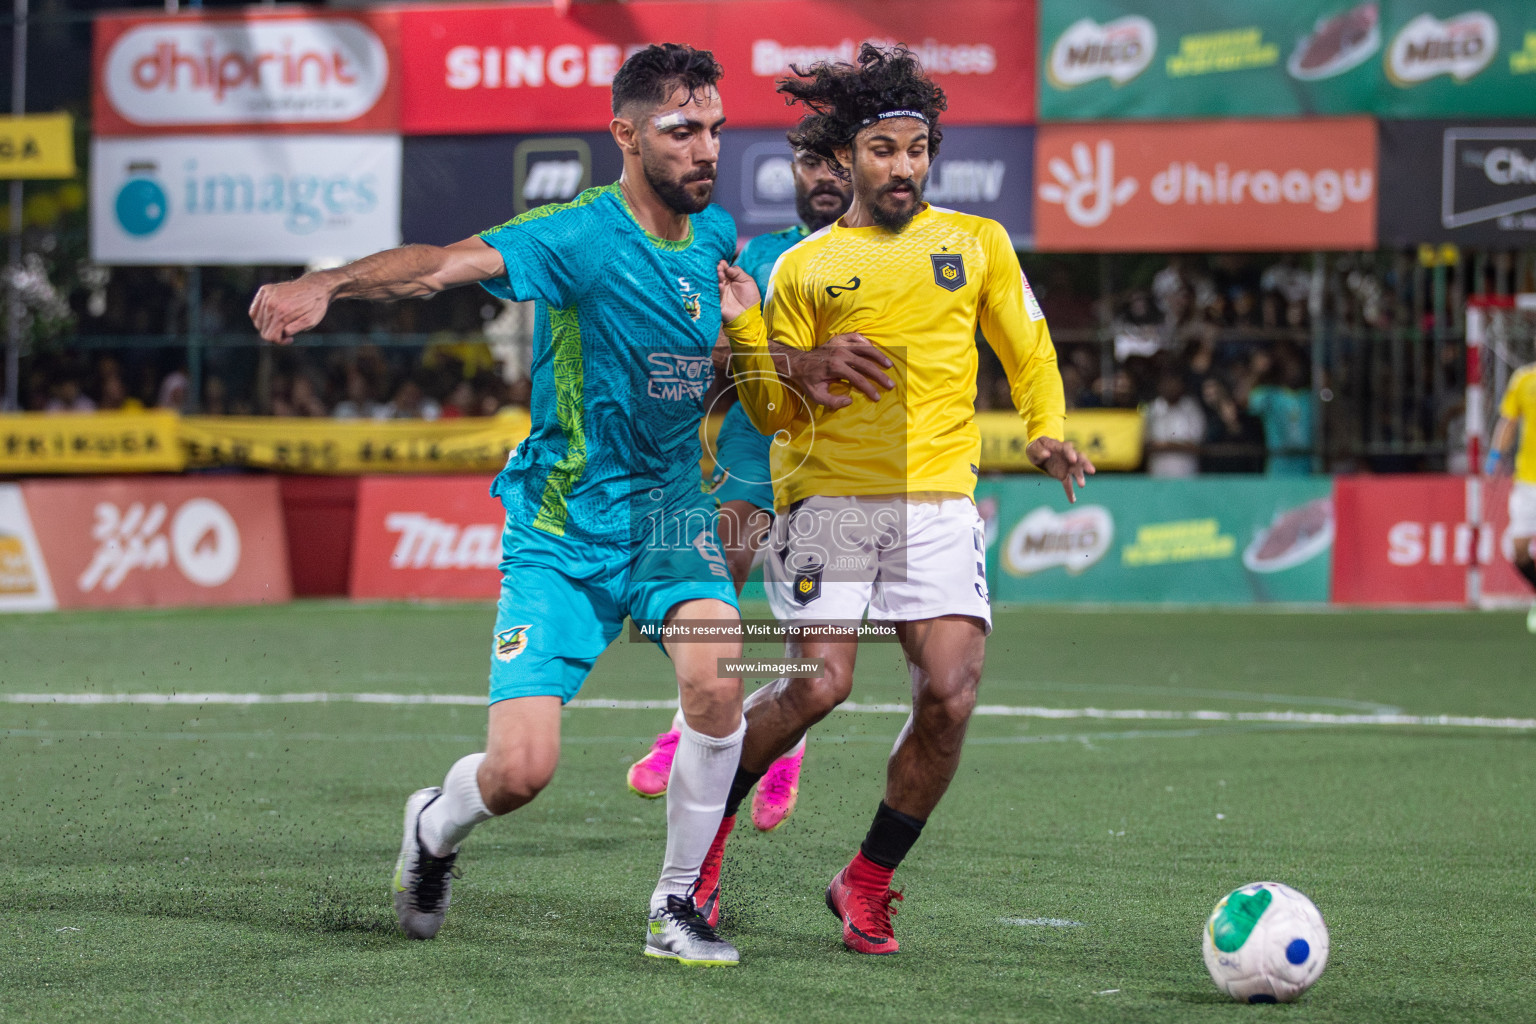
{"x":692,"y":304}
{"x":948,"y":270}
{"x":808,"y":584}
{"x":511,"y":642}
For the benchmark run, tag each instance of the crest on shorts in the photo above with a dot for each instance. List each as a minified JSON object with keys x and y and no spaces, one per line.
{"x":808,"y":584}
{"x":948,"y":270}
{"x":511,"y":642}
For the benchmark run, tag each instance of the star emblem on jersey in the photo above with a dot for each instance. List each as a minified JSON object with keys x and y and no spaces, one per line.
{"x":948,"y":271}
{"x":835,"y":290}
{"x":511,"y":642}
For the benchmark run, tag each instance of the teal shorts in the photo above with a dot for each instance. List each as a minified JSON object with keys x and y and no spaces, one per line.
{"x":563,"y":602}
{"x":741,"y":462}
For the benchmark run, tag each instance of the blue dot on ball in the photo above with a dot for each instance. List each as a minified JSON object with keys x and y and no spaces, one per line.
{"x":1298,"y":951}
{"x":1262,"y":998}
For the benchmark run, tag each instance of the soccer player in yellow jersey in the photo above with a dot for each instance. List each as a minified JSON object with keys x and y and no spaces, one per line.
{"x":862,"y":365}
{"x":1517,"y":415}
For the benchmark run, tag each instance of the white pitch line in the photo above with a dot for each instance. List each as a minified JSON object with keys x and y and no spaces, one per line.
{"x":982,"y":710}
{"x":1039,"y":922}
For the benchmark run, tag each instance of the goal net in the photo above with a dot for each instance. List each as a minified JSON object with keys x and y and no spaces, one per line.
{"x":1501,"y":338}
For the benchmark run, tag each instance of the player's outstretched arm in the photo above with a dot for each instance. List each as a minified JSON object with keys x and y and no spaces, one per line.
{"x":281,"y":311}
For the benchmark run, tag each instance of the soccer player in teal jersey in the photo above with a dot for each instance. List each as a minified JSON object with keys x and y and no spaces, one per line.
{"x":605,"y":517}
{"x":743,"y":488}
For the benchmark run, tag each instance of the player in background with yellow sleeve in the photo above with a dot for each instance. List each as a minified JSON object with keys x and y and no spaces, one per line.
{"x":863,"y":363}
{"x":1517,"y":415}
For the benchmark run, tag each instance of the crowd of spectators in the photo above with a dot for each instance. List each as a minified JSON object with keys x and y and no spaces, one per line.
{"x":1217,"y":351}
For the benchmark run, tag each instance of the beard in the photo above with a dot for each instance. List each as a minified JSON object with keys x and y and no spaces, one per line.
{"x":674,"y":191}
{"x":896,"y":221}
{"x":816,"y":218}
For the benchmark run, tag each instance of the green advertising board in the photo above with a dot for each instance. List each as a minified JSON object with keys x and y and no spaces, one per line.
{"x":1207,"y":540}
{"x":1107,"y":59}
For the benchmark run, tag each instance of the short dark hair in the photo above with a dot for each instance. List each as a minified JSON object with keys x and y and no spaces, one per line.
{"x":650,"y":75}
{"x":840,"y":97}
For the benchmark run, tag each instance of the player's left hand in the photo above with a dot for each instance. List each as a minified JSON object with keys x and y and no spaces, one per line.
{"x":1062,"y":460}
{"x":738,"y":292}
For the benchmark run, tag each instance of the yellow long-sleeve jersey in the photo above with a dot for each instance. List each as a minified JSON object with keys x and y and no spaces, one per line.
{"x":918,"y":295}
{"x":1520,"y":404}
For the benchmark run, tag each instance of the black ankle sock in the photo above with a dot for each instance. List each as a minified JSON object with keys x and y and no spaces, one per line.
{"x":890,"y":837}
{"x":741,"y":785}
{"x":1528,"y":570}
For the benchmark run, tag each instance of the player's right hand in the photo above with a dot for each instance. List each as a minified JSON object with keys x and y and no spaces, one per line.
{"x":850,"y":358}
{"x":281,"y":311}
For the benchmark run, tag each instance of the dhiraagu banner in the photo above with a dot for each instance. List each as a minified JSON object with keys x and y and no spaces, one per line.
{"x":1213,"y":540}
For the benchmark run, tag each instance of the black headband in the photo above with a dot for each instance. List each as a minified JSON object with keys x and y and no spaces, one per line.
{"x":887,"y":115}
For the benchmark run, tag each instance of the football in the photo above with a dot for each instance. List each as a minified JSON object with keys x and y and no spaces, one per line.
{"x":1265,"y":943}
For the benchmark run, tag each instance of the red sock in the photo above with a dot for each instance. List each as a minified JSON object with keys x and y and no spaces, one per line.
{"x":863,"y":873}
{"x":709,"y":875}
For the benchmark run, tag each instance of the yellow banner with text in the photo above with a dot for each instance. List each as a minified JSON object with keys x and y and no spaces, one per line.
{"x":1110,"y":437}
{"x":158,"y":442}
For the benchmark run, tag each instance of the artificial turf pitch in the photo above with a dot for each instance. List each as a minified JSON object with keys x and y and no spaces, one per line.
{"x":231,"y":863}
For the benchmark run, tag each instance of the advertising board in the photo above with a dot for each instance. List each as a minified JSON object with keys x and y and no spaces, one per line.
{"x":256,"y":199}
{"x":1229,"y":540}
{"x":161,"y":542}
{"x":244,"y":71}
{"x":426,"y":537}
{"x":1111,"y":59}
{"x":456,"y":185}
{"x":1215,"y":185}
{"x":528,"y":68}
{"x":1408,"y":540}
{"x":1466,"y":182}
{"x":25,"y":585}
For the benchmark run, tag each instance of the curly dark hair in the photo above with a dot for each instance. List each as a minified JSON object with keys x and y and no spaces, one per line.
{"x":650,"y":75}
{"x":842,"y":96}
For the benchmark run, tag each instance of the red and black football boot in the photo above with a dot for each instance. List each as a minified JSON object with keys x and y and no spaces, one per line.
{"x":706,"y":891}
{"x":864,"y":909}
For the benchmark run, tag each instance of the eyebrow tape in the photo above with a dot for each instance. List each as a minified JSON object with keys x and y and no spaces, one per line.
{"x":666,"y":122}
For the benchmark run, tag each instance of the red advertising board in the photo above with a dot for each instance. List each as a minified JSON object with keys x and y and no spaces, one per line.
{"x":426,"y":537}
{"x":1408,"y":540}
{"x":1500,"y":580}
{"x":1210,"y":185}
{"x":527,"y":68}
{"x":160,"y":542}
{"x":254,"y":70}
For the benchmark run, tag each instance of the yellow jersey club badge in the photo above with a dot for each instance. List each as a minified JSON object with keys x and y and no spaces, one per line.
{"x":511,"y":642}
{"x":948,"y":270}
{"x":807,"y":584}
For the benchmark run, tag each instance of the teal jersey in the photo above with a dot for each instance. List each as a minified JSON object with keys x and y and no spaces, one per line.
{"x":1287,"y":418}
{"x":759,"y":255}
{"x":623,"y":329}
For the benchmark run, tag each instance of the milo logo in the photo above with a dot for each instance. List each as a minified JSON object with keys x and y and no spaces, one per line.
{"x":1425,"y":47}
{"x":1118,"y":50}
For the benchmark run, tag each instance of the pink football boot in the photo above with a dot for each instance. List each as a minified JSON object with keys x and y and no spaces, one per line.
{"x":777,"y":791}
{"x":648,"y":776}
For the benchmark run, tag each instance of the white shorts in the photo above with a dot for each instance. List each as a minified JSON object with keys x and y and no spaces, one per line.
{"x":831,"y":559}
{"x":1522,"y":510}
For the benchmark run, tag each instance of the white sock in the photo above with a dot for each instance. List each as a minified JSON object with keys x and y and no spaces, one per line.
{"x":702,"y":770}
{"x":798,"y":748}
{"x":678,"y":721}
{"x":452,"y":816}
